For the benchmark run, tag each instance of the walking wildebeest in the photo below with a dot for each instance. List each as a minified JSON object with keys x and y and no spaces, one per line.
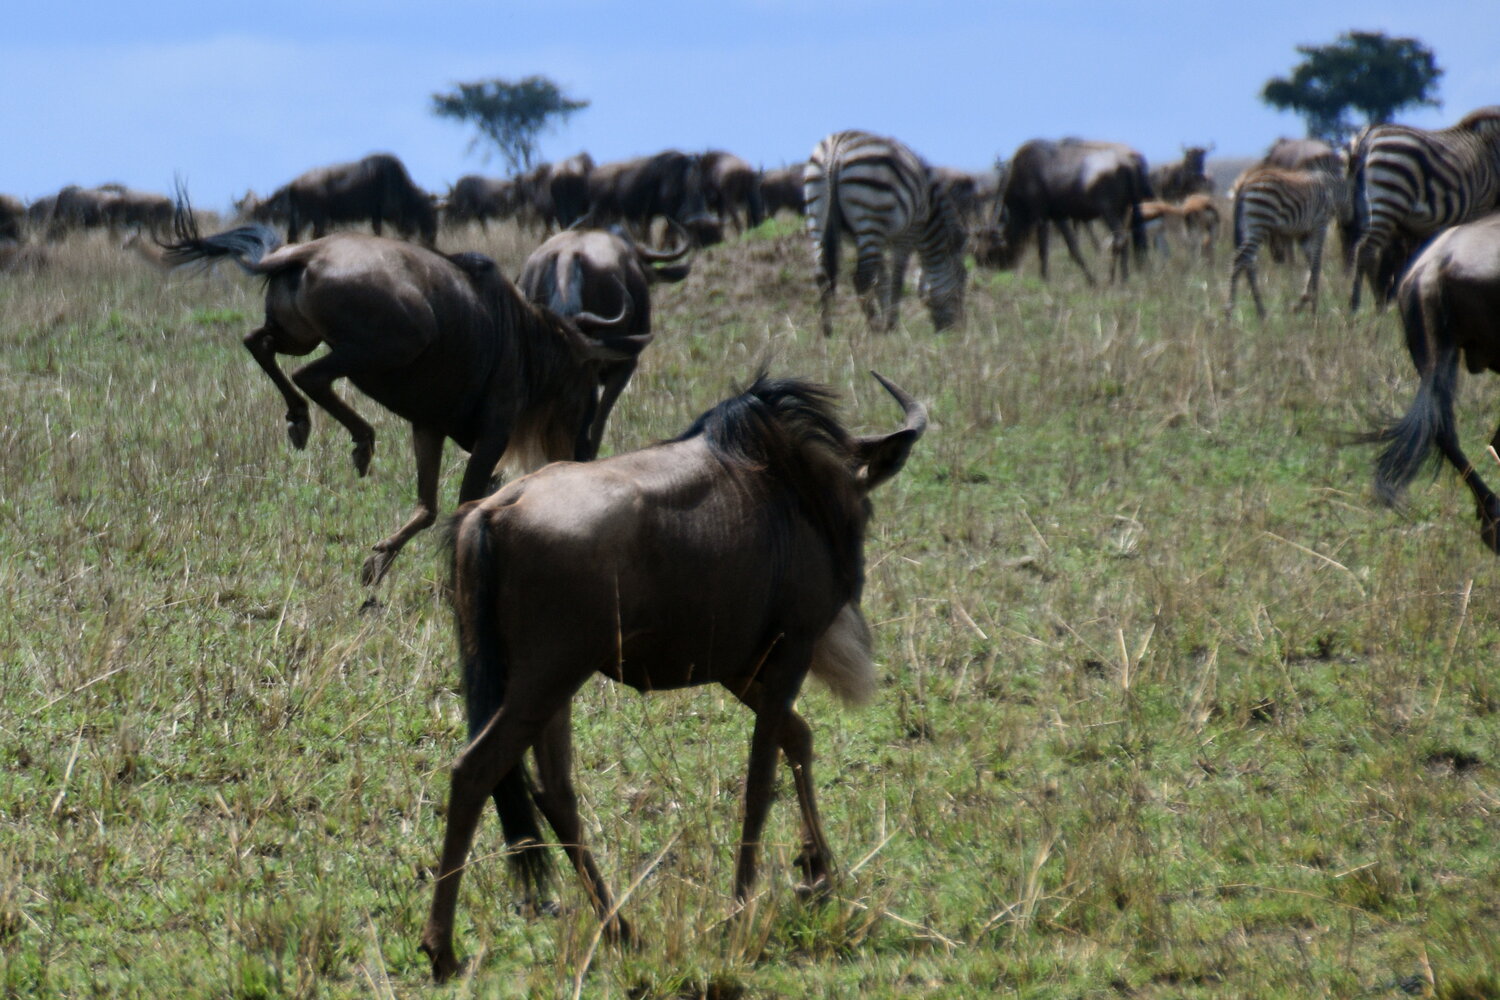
{"x":1063,"y":182}
{"x":376,"y":189}
{"x":729,"y":185}
{"x":589,"y":271}
{"x":1450,"y":307}
{"x":667,"y":185}
{"x":730,"y":555}
{"x":445,"y":342}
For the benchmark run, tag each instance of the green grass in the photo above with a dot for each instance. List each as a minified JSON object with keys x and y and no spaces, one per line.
{"x":1170,"y":706}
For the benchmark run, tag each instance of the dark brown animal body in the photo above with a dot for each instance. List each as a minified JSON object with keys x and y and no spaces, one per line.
{"x":445,"y":342}
{"x":781,"y":189}
{"x":376,"y":189}
{"x":12,"y":218}
{"x":1450,"y":308}
{"x":1069,"y":181}
{"x":474,"y":198}
{"x":732,"y":555}
{"x":568,"y":189}
{"x":730,"y":186}
{"x":601,"y":273}
{"x":1172,"y":182}
{"x":668,"y":185}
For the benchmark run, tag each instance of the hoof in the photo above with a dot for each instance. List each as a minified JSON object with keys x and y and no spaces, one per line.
{"x":296,"y":431}
{"x":361,"y":455}
{"x":375,"y":567}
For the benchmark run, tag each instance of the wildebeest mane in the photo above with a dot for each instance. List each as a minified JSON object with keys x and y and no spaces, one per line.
{"x":784,"y":430}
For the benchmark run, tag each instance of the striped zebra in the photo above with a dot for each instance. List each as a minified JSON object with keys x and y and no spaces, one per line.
{"x":886,"y":197}
{"x":1411,"y":183}
{"x":1293,"y":204}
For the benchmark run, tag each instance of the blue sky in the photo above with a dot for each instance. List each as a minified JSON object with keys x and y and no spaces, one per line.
{"x":247,"y":95}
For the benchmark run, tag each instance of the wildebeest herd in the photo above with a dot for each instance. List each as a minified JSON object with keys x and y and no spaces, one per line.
{"x":753,"y":519}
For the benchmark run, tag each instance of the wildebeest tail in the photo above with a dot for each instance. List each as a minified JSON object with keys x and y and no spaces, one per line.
{"x":1409,"y":440}
{"x":485,"y":671}
{"x":246,"y":244}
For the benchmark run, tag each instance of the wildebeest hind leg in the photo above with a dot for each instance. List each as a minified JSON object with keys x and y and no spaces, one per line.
{"x":427,"y":444}
{"x":261,"y":344}
{"x":316,"y":380}
{"x":558,"y":802}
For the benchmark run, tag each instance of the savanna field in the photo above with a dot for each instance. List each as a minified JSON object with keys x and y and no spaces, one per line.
{"x":1170,"y":706}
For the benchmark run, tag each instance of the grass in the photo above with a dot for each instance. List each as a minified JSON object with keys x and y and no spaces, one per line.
{"x":1170,"y":706}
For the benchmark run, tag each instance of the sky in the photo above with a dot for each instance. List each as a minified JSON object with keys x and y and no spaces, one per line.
{"x":237,"y":96}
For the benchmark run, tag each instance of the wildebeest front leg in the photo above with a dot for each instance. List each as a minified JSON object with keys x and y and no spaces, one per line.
{"x":261,"y":344}
{"x":782,"y":674}
{"x":795,"y":739}
{"x":316,"y":379}
{"x":612,"y":382}
{"x":427,"y":445}
{"x":1071,"y":240}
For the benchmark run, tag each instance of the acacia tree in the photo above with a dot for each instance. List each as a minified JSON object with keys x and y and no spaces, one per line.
{"x":511,"y":115}
{"x":1365,"y":71}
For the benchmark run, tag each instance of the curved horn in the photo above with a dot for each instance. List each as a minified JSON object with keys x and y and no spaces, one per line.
{"x":621,"y":321}
{"x":649,"y":255}
{"x":916,"y":413}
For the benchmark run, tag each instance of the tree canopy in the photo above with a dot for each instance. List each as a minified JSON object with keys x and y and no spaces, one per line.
{"x":1363,"y":71}
{"x":509,"y":114}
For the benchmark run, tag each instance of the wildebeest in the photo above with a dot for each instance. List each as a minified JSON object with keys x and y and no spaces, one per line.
{"x":731,"y":185}
{"x":1172,"y":182}
{"x":1303,"y":154}
{"x":376,"y":189}
{"x":971,"y":195}
{"x":879,"y":191}
{"x":668,"y":185}
{"x":730,"y":555}
{"x":12,"y":218}
{"x":568,"y":188}
{"x":782,"y":189}
{"x":602,"y":273}
{"x":445,"y":342}
{"x":1450,"y":308}
{"x":475,"y":198}
{"x":1071,"y":180}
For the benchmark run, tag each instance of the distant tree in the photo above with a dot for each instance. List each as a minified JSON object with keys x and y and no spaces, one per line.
{"x":511,"y":115}
{"x":1364,"y":71}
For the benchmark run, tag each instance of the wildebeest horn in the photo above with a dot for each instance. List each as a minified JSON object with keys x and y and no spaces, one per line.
{"x":880,"y":457}
{"x":684,"y":246}
{"x":916,"y":413}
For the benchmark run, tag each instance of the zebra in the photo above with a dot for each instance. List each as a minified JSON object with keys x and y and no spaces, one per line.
{"x":1294,"y":204}
{"x":886,"y":197}
{"x":1410,"y":182}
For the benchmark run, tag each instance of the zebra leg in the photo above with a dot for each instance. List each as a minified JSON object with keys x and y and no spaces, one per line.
{"x":826,"y":265}
{"x":1312,"y":246}
{"x":895,"y":286}
{"x":870,"y":284}
{"x":1244,"y":260}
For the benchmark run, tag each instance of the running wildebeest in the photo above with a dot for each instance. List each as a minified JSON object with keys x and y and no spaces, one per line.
{"x":1450,"y":308}
{"x":730,"y":555}
{"x":729,"y":185}
{"x":376,"y":189}
{"x":589,"y":271}
{"x":444,"y":341}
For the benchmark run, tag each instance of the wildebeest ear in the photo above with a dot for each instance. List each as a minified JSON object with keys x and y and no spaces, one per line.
{"x":879,"y":458}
